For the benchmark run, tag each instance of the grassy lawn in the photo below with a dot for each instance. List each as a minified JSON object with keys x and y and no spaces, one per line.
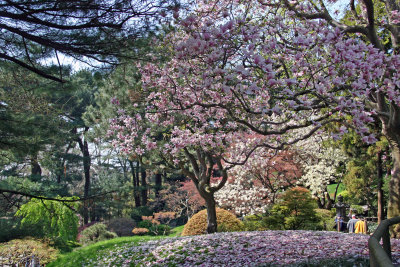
{"x":332,"y":188}
{"x":90,"y":253}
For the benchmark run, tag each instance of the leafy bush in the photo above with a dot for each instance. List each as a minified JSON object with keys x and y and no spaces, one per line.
{"x":83,"y":227}
{"x":160,"y":229}
{"x":197,"y":225}
{"x":145,"y":224}
{"x":53,"y":219}
{"x":138,"y":212}
{"x":18,"y":251}
{"x":359,"y":209}
{"x":346,"y":195}
{"x":254,"y":223}
{"x":372,"y":227}
{"x":294,"y":212}
{"x":154,"y":226}
{"x":140,"y":231}
{"x":326,"y":219}
{"x":121,"y":226}
{"x":96,"y":233}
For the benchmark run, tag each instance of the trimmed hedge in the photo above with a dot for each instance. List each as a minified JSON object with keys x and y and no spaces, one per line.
{"x":197,"y":225}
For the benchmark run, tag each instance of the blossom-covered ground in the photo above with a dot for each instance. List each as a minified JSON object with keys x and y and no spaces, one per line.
{"x":263,"y":248}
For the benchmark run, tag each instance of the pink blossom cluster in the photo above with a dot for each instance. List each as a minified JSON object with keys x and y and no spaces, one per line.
{"x":395,"y":16}
{"x":235,"y":73}
{"x":264,"y":248}
{"x":237,"y":69}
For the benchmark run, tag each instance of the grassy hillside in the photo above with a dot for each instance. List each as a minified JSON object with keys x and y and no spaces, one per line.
{"x":91,"y":252}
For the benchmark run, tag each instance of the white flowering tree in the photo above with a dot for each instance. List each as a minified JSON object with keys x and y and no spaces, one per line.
{"x":320,"y":167}
{"x":257,"y":183}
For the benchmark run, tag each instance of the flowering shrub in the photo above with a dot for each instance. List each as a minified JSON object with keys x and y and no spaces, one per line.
{"x":140,"y":231}
{"x":259,"y":248}
{"x":18,"y":251}
{"x":197,"y":225}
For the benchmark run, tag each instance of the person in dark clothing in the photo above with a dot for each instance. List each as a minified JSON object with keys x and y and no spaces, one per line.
{"x":342,"y":225}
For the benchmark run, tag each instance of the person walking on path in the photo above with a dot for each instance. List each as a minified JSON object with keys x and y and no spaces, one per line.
{"x":351,"y":224}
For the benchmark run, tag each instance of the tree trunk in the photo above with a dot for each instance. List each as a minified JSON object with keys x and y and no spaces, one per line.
{"x":393,"y":209}
{"x":92,"y":211}
{"x":380,"y":190}
{"x":394,"y":185}
{"x":143,"y":190}
{"x":211,"y":214}
{"x":329,"y":201}
{"x":36,"y":170}
{"x":158,"y":184}
{"x":321,"y":202}
{"x":84,"y":147}
{"x":62,"y":166}
{"x":135,"y":183}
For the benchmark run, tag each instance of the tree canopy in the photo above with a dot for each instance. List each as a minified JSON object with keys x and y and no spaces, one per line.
{"x":239,"y":68}
{"x":91,"y":31}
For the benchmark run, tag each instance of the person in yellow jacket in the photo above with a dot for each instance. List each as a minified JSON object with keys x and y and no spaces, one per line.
{"x":361,"y":227}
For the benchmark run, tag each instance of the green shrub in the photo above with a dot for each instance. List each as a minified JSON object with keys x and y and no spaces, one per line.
{"x":18,"y":251}
{"x":275,"y":219}
{"x":372,"y":227}
{"x":254,"y":223}
{"x":145,"y":224}
{"x":96,"y":233}
{"x":359,"y":209}
{"x":294,"y":212}
{"x":121,"y":226}
{"x":346,"y":195}
{"x":197,"y":225}
{"x":326,"y":219}
{"x":138,"y":212}
{"x":159,"y":229}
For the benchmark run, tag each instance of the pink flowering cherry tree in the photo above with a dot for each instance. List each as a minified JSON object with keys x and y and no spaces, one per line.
{"x":239,"y":68}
